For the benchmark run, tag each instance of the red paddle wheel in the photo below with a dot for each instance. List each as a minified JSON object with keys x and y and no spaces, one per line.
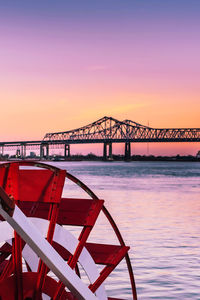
{"x":37,"y":252}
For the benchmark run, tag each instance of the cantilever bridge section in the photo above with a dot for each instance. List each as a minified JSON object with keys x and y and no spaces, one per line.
{"x":107,"y":131}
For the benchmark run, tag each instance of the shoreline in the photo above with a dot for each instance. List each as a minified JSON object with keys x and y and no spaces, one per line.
{"x":78,"y":158}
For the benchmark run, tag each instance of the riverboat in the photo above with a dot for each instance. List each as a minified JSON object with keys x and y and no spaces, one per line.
{"x":39,"y":257}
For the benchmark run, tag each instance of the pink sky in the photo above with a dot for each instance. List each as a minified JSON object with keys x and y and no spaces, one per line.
{"x":59,"y":73}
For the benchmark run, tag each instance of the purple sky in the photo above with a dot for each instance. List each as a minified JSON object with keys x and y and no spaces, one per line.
{"x":65,"y":64}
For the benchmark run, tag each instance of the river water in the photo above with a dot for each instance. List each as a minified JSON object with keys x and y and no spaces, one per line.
{"x":156,"y":206}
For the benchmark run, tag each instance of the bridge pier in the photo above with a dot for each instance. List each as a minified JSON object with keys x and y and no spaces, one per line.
{"x":66,"y":151}
{"x":2,"y":150}
{"x":107,"y":155}
{"x":23,"y":151}
{"x":127,"y":155}
{"x":43,"y":153}
{"x":47,"y":151}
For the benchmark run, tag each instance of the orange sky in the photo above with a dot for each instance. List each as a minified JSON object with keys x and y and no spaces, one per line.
{"x":61,"y":69}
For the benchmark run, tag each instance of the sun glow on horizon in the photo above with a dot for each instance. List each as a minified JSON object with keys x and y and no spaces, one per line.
{"x":63,"y":67}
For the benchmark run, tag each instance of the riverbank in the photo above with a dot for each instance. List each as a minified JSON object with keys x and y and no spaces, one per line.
{"x":93,"y":157}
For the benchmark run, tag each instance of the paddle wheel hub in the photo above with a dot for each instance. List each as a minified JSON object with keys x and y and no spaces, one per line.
{"x":39,"y":257}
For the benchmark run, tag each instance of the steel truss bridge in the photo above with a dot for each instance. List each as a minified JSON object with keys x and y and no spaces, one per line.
{"x":107,"y":131}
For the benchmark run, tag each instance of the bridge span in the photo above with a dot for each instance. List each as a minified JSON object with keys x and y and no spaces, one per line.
{"x":106,"y":131}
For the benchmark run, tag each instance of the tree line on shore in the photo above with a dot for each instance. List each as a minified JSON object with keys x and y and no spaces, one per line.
{"x":115,"y":157}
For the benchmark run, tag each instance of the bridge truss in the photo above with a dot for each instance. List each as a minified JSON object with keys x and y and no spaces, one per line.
{"x":106,"y":130}
{"x":110,"y":129}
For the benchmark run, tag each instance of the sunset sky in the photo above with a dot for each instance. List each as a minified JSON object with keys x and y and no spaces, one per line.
{"x":65,"y":64}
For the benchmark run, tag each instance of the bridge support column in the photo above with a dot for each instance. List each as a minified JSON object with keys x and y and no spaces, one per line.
{"x":107,"y":146}
{"x":44,"y":151}
{"x":47,"y":151}
{"x":110,"y":150}
{"x":23,"y":151}
{"x":66,"y":151}
{"x":127,"y":151}
{"x":2,"y":150}
{"x":41,"y":151}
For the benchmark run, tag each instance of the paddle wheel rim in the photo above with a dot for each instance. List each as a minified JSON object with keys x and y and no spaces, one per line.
{"x":113,"y":225}
{"x":73,"y":259}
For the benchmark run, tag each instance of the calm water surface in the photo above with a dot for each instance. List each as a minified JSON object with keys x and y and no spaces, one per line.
{"x":156,"y":206}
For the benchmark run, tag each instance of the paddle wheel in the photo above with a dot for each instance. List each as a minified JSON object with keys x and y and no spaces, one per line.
{"x":39,"y":257}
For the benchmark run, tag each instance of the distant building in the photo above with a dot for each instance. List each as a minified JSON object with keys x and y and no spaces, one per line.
{"x":32,"y":154}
